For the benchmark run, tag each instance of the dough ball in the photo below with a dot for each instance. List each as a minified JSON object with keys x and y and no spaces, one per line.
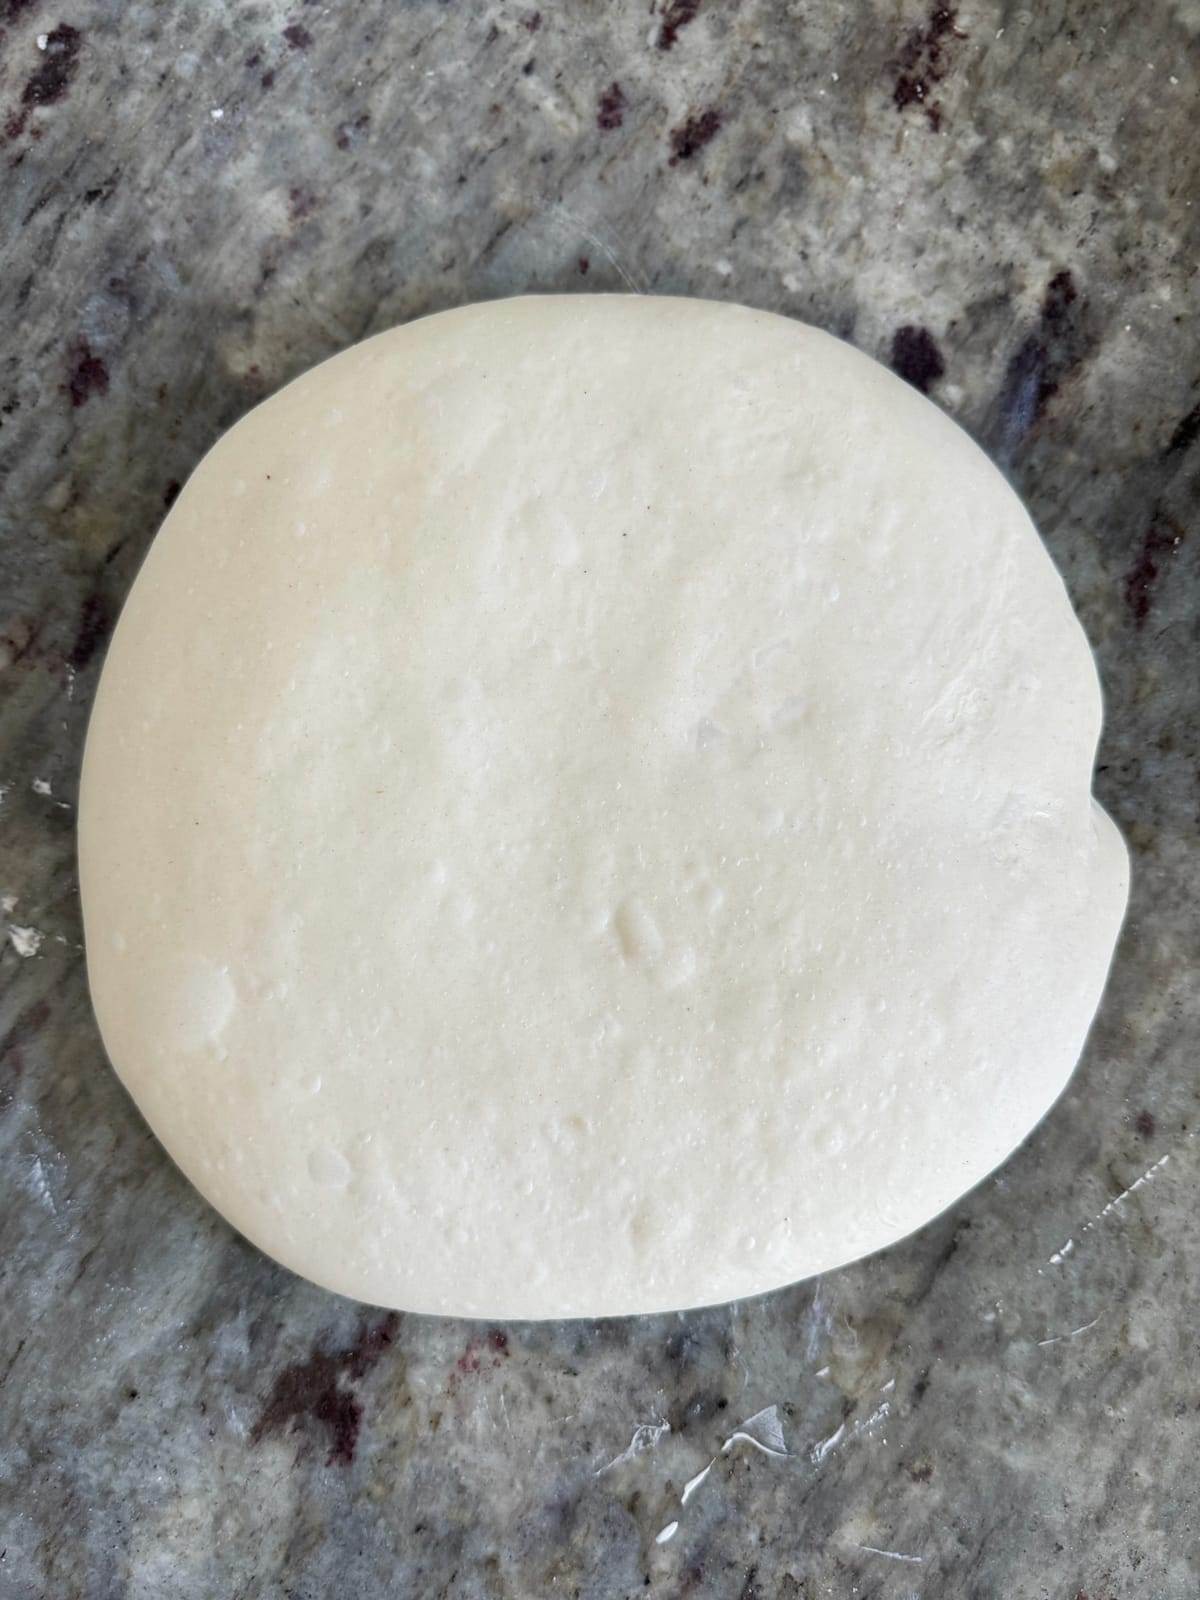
{"x":588,"y":811}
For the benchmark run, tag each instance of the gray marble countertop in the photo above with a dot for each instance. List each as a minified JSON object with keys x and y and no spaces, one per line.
{"x":199,"y":200}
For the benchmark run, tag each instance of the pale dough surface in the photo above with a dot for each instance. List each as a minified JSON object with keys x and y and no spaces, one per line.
{"x":588,"y":810}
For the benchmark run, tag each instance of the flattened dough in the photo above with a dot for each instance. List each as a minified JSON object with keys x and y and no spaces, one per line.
{"x":588,"y":811}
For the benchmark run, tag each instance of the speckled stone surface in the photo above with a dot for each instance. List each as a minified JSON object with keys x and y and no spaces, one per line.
{"x":199,"y":200}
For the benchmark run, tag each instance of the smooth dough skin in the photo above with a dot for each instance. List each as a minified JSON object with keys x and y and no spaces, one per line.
{"x":588,"y":811}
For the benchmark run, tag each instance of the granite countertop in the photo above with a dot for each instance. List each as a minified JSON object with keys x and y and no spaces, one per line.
{"x":199,"y":200}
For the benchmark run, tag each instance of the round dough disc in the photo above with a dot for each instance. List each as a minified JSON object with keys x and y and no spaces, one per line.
{"x":588,"y":811}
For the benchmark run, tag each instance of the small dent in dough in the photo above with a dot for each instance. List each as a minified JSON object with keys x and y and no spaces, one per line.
{"x":204,"y":1002}
{"x":698,"y":882}
{"x":791,"y":713}
{"x":565,"y":547}
{"x":764,"y":653}
{"x":328,"y":1167}
{"x":568,"y":1133}
{"x":641,"y":1225}
{"x":681,"y":968}
{"x":637,"y":932}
